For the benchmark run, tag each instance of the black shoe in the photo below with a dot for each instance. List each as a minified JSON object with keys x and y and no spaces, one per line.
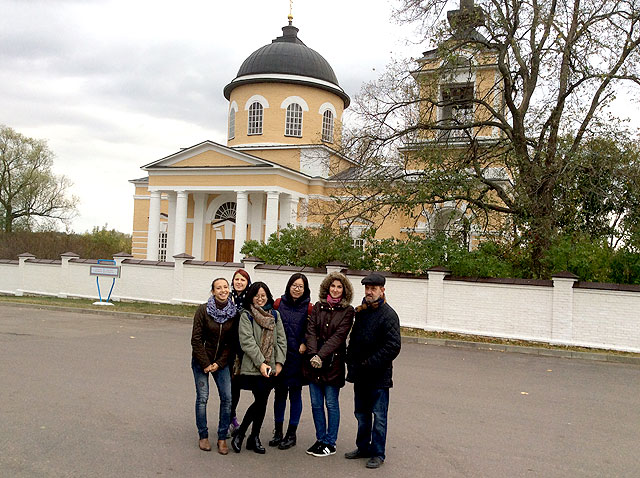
{"x":277,"y":436}
{"x":253,"y":443}
{"x":324,"y":450}
{"x":287,"y":442}
{"x":357,"y":453}
{"x":236,"y":441}
{"x":375,"y":462}
{"x":313,"y":448}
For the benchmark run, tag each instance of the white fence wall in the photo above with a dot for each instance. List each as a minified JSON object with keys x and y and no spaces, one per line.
{"x":561,"y":311}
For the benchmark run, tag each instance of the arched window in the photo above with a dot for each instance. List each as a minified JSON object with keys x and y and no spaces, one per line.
{"x":232,"y":123}
{"x":327,"y":126}
{"x":255,"y":118}
{"x":226,"y":211}
{"x":293,"y":123}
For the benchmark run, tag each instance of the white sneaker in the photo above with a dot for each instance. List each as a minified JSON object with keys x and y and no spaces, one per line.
{"x":324,"y":450}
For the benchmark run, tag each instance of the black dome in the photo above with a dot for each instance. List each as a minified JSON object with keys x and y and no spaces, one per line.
{"x":287,"y":55}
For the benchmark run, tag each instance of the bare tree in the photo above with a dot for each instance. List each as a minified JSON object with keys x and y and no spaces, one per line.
{"x":503,"y":152}
{"x":29,"y":191}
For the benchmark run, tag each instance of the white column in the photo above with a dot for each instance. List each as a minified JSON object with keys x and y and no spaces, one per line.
{"x":304,"y":211}
{"x":197,"y":246}
{"x":271,"y":221}
{"x":285,"y":210}
{"x":180,"y":236}
{"x":154,"y":226}
{"x":242,"y":206}
{"x":171,"y":224}
{"x":257,"y":215}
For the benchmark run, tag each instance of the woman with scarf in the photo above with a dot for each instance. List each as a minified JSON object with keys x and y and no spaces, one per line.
{"x":239,"y":285}
{"x":212,"y":339}
{"x":327,"y":330}
{"x":294,"y":310}
{"x":264,"y":344}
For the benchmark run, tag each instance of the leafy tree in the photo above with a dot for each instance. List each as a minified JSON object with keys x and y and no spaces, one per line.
{"x":558,"y":66}
{"x":29,"y":190}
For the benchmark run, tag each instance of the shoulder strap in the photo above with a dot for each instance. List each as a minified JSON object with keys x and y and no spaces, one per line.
{"x":310,"y":308}
{"x":276,"y":304}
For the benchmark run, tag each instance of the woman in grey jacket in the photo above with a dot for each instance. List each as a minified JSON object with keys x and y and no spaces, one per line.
{"x":263,"y":341}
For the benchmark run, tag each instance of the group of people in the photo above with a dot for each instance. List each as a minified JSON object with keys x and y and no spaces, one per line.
{"x":247,"y":340}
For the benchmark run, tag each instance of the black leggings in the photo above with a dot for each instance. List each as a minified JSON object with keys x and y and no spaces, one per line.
{"x":260,"y":388}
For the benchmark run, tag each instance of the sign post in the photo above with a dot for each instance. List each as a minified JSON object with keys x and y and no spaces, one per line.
{"x":110,"y":270}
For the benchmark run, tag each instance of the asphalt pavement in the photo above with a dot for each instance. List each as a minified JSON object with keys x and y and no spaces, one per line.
{"x":91,"y":395}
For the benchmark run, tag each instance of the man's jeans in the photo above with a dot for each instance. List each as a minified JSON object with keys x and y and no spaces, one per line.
{"x":371,"y":407}
{"x":223,"y":381}
{"x":327,"y":434}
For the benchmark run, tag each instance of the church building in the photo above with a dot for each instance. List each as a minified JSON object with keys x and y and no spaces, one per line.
{"x":282,"y":161}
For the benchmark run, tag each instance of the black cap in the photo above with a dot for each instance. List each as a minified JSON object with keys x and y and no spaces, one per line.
{"x":374,"y":279}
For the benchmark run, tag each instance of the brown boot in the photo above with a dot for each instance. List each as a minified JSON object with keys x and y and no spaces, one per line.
{"x":222,"y":447}
{"x":204,"y":444}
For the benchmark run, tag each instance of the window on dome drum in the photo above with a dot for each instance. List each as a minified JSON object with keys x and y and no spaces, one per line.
{"x":327,"y":126}
{"x":457,"y":107}
{"x":255,"y":118}
{"x":226,"y":211}
{"x":293,"y":123}
{"x":232,"y":124}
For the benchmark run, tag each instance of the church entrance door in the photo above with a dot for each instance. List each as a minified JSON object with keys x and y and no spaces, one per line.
{"x":224,"y":250}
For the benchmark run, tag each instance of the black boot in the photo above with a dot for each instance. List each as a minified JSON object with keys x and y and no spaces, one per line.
{"x":289,"y":439}
{"x":253,"y":443}
{"x":277,"y":434}
{"x":236,"y":441}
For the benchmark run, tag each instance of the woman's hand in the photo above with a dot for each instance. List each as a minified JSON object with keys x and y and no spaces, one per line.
{"x":211,"y":368}
{"x":264,"y":370}
{"x":302,"y":349}
{"x":278,"y":368}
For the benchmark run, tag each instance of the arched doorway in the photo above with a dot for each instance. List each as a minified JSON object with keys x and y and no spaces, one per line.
{"x":223,"y":225}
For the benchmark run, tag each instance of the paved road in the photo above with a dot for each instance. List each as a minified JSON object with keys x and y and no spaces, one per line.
{"x":86,"y":395}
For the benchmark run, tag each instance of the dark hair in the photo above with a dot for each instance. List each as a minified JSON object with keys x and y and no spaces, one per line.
{"x":244,"y":274}
{"x":306,"y":294}
{"x":253,"y":291}
{"x":216,"y":280}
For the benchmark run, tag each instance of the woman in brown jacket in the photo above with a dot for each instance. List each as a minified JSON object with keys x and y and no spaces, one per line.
{"x":326,"y":336}
{"x":212,"y":338}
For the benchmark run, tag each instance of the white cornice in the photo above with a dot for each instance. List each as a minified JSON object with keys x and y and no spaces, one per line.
{"x":283,"y":77}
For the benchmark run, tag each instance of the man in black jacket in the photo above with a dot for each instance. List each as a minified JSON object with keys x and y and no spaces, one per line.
{"x":374,"y":343}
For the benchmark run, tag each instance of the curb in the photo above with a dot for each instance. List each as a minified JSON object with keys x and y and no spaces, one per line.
{"x":486,"y":346}
{"x":519,"y":349}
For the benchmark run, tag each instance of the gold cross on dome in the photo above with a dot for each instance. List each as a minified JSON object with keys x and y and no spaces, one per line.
{"x":290,"y":11}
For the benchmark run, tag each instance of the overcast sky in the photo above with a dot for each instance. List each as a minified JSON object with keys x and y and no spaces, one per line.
{"x":113,"y":85}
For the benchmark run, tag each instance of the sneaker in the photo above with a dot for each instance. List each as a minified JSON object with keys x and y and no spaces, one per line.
{"x":324,"y":450}
{"x":313,"y":448}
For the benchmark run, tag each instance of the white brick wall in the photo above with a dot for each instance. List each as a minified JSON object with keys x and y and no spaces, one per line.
{"x":559,"y":314}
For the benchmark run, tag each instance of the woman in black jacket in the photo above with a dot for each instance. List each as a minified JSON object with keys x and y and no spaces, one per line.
{"x":212,"y":339}
{"x":294,"y":310}
{"x":326,"y":337}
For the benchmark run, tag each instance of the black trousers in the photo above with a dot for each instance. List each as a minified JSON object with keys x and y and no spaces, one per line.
{"x":260,"y":388}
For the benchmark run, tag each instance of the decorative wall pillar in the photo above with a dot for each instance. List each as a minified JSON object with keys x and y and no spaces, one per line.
{"x":153,"y":230}
{"x":197,"y":246}
{"x":435,"y":296}
{"x":562,"y":309}
{"x":271,"y":221}
{"x":180,"y":223}
{"x":242,"y":208}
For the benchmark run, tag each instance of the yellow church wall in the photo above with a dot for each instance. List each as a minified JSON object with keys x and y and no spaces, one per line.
{"x":210,"y":158}
{"x":289,"y":158}
{"x":266,"y":181}
{"x":273,"y":128}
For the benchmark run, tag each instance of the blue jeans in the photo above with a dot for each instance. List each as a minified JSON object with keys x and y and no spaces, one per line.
{"x":321,"y":394}
{"x":371,"y":406}
{"x":222,"y":377}
{"x":280,"y":404}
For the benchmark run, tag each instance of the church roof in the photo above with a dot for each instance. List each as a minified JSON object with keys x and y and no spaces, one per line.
{"x":287,"y":59}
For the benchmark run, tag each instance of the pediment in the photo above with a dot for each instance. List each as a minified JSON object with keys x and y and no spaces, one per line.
{"x":207,"y":154}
